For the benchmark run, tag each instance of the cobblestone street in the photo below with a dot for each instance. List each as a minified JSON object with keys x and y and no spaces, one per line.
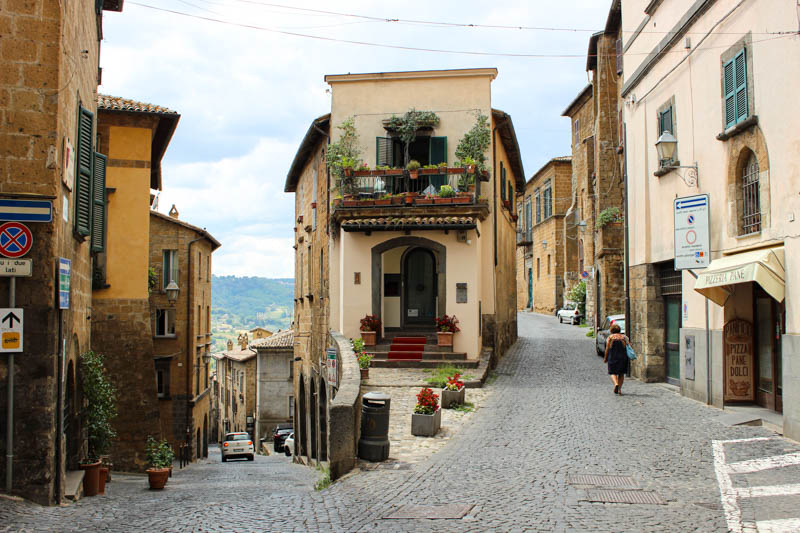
{"x":549,"y":416}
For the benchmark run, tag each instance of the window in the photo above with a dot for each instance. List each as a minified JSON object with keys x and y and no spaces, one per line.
{"x":162,"y":379}
{"x":548,"y":264}
{"x":208,"y":319}
{"x":528,"y":220}
{"x":314,"y":200}
{"x":580,"y":257}
{"x":538,"y":206}
{"x":291,"y":407}
{"x":548,"y":199}
{"x":208,"y":267}
{"x":734,"y":73}
{"x":538,"y":268}
{"x":291,"y":368}
{"x":510,"y":194}
{"x":390,"y":151}
{"x":165,"y":323}
{"x":520,"y":223}
{"x":199,"y":265}
{"x":99,"y":221}
{"x":502,"y":181}
{"x":576,"y":126}
{"x":666,"y":123}
{"x":751,"y":197}
{"x":169,"y":271}
{"x":83,"y":176}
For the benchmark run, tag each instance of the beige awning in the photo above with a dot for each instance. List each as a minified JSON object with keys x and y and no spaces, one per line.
{"x":764,"y":267}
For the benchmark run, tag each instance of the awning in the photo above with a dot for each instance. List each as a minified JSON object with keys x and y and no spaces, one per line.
{"x":765,"y":267}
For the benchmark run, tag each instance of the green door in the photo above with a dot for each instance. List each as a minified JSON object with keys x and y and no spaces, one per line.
{"x":672,"y":336}
{"x":420,"y":287}
{"x":530,"y":288}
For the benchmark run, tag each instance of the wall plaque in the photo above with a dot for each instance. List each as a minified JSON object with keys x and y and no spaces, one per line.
{"x":688,"y":357}
{"x":738,"y":355}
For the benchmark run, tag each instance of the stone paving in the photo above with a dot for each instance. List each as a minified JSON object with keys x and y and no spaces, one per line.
{"x":550,"y":414}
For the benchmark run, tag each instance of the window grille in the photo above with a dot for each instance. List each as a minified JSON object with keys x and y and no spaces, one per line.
{"x":538,"y":206}
{"x":751,"y":201}
{"x":671,"y":279}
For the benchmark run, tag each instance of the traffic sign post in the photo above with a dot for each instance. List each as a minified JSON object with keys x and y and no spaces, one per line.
{"x":692,"y":232}
{"x":15,"y":240}
{"x":11,"y":320}
{"x":26,"y":210}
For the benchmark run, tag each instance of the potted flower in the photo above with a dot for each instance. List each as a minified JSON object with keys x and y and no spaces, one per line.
{"x":413,"y":169}
{"x":101,"y":408}
{"x":347,"y":165}
{"x":442,"y":167}
{"x":429,"y":170}
{"x":364,"y":360}
{"x":446,"y":195}
{"x":427,"y":417}
{"x":469,"y":163}
{"x":446,"y":326}
{"x":370,"y":325}
{"x":362,"y":170}
{"x":385,"y":199}
{"x":453,"y":391}
{"x":160,"y":457}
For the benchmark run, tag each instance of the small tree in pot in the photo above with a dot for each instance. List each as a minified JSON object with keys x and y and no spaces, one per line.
{"x":160,"y":457}
{"x":101,"y":408}
{"x":370,"y":325}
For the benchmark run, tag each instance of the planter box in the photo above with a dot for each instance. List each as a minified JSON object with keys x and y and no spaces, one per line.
{"x":362,"y":173}
{"x":364,"y":373}
{"x":398,"y":200}
{"x":423,"y":201}
{"x":426,"y":425}
{"x":443,"y":200}
{"x":393,"y":172}
{"x":350,"y":203}
{"x":366,"y":202}
{"x":428,"y":171}
{"x":369,"y":337}
{"x":444,"y":338}
{"x":453,"y":397}
{"x":384,"y":201}
{"x":462,"y":200}
{"x":456,"y":170}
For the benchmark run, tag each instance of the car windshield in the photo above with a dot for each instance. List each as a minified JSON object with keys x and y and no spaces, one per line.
{"x":569,"y":306}
{"x":238,"y":436}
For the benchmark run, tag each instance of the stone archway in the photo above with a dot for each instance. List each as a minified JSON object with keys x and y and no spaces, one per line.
{"x":314,"y":436}
{"x":205,"y":436}
{"x":300,"y":430}
{"x":741,"y":148}
{"x":439,"y":252}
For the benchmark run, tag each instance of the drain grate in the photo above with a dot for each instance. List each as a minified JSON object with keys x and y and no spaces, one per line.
{"x":452,"y":511}
{"x":623,"y":496}
{"x":602,"y":480}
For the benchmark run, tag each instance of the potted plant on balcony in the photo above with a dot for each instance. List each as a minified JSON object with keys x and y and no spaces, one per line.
{"x":427,"y":417}
{"x":442,"y":167}
{"x":370,"y":325}
{"x":364,"y":360}
{"x":347,"y":165}
{"x":446,"y":326}
{"x":446,"y":195}
{"x":413,"y":169}
{"x":343,"y":155}
{"x":453,"y":392}
{"x":362,"y":170}
{"x":101,"y":407}
{"x":160,"y":457}
{"x":473,"y":145}
{"x":423,"y":200}
{"x":469,"y":163}
{"x":384,"y":199}
{"x":428,"y":170}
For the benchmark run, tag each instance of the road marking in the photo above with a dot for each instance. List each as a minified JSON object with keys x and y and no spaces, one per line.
{"x":768,"y":490}
{"x":733,"y":515}
{"x":763,"y":463}
{"x":785,"y":525}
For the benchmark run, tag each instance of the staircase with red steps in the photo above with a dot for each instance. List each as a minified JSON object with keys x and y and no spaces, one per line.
{"x":410,"y":350}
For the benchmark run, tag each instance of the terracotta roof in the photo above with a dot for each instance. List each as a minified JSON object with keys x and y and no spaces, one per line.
{"x":116,"y":103}
{"x":281,"y":339}
{"x":237,"y":354}
{"x":214,"y":242}
{"x":561,"y":159}
{"x":582,"y":97}
{"x":319,"y":128}
{"x":505,"y":130}
{"x":403,"y":223}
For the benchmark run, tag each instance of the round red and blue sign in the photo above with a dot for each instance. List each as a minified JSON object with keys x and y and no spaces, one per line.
{"x":15,"y":239}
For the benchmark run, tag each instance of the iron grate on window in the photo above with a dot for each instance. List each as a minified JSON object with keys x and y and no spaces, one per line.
{"x":751,"y":201}
{"x":671,"y":280}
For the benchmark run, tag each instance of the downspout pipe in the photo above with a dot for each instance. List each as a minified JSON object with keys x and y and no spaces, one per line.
{"x":189,"y":341}
{"x":627,"y":257}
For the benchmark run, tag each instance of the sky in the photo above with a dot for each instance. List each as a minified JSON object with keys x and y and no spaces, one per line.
{"x":247,"y":87}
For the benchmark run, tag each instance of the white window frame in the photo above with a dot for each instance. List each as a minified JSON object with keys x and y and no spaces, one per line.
{"x":163,"y":315}
{"x":169,"y":270}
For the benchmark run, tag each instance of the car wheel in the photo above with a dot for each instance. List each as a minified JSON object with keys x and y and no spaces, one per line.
{"x":574,"y":321}
{"x":559,"y":320}
{"x":287,"y":452}
{"x":224,"y":459}
{"x":251,"y":457}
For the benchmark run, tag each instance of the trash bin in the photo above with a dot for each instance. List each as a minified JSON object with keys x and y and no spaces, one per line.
{"x":374,"y":442}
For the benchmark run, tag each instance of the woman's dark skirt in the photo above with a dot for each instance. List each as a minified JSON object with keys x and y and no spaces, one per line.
{"x":618,"y":358}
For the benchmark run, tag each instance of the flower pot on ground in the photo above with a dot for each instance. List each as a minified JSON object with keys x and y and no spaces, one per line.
{"x":444,"y":338}
{"x":369,"y":337}
{"x":160,"y":457}
{"x":100,"y":409}
{"x":91,"y":478}
{"x":364,"y":360}
{"x":427,"y":417}
{"x":370,"y":325}
{"x":157,"y":477}
{"x":453,"y":392}
{"x":101,"y":485}
{"x":446,"y":326}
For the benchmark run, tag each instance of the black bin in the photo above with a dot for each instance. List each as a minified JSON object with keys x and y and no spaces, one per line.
{"x":374,"y":442}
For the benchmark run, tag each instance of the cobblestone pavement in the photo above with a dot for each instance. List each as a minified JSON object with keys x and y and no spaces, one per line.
{"x":549,"y":416}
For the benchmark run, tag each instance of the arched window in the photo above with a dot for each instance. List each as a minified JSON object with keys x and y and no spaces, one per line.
{"x":750,"y":206}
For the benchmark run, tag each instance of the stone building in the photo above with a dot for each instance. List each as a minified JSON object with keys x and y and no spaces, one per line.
{"x":134,"y":135}
{"x":594,"y":221}
{"x":48,"y":99}
{"x":728,"y":102}
{"x":541,"y":207}
{"x":236,"y":376}
{"x":274,"y":396}
{"x":413,"y":259}
{"x":259,"y":333}
{"x":180,"y":310}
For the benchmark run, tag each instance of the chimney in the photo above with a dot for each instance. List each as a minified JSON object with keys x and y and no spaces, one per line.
{"x":174,"y":212}
{"x":243,"y":341}
{"x":230,"y":346}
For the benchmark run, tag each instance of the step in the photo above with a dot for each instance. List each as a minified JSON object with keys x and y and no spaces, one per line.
{"x":384,"y":347}
{"x":73,"y":486}
{"x":425,"y":363}
{"x":426,"y":355}
{"x":407,"y":348}
{"x":417,"y":356}
{"x":409,"y":340}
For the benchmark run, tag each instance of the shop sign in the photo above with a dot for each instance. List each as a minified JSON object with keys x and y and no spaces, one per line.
{"x":692,"y":232}
{"x":738,"y":356}
{"x":333,"y":369}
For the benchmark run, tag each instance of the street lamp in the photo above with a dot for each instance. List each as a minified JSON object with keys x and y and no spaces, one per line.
{"x":172,"y":292}
{"x":666,"y":146}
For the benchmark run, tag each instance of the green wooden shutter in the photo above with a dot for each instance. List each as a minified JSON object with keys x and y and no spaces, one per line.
{"x":740,"y":74}
{"x":83,"y":178}
{"x":438,"y":150}
{"x":383,"y":151}
{"x":99,"y":203}
{"x":730,"y":93}
{"x":502,"y":181}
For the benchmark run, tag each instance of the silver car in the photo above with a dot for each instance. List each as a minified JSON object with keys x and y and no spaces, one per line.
{"x":604,"y":331}
{"x":237,"y":444}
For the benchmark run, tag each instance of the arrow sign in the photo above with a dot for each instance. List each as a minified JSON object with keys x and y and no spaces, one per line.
{"x":11,"y":330}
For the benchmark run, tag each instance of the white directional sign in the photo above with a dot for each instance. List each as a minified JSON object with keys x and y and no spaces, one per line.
{"x":10,"y":330}
{"x":692,"y":232}
{"x":16,"y":267}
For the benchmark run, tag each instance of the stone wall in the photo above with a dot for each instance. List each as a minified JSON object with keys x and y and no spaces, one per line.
{"x":344,"y":428}
{"x":646,"y":324}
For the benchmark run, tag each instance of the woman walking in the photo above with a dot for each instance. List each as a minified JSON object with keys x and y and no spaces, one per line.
{"x":617,"y":357}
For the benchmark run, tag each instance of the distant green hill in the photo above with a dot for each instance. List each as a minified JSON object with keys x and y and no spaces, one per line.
{"x":242,"y":303}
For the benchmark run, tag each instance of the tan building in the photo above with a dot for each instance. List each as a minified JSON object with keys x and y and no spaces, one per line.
{"x":274,"y":396}
{"x":540,"y":241}
{"x":180,"y":310}
{"x":729,"y":101}
{"x":48,"y":100}
{"x":134,"y":135}
{"x":386,"y":243}
{"x":236,"y":371}
{"x":594,"y":221}
{"x":259,"y":333}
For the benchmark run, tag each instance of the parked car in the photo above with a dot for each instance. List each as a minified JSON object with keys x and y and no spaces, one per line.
{"x":288,"y":445}
{"x":238,"y":444}
{"x":570,"y":313}
{"x":281,"y":432}
{"x":603,"y":332}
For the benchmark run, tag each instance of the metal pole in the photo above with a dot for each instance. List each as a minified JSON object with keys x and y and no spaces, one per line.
{"x":708,"y":359}
{"x":12,"y":302}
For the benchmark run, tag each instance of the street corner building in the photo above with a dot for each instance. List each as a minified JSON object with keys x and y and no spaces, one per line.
{"x":398,"y":216}
{"x":48,"y":96}
{"x":715,"y":122}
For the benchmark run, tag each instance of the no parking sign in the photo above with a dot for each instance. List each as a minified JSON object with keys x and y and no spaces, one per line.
{"x":15,"y":239}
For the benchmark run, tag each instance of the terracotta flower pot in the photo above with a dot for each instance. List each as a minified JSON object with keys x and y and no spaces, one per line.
{"x":348,"y":172}
{"x":383,"y":201}
{"x":423,"y":201}
{"x":91,"y":479}
{"x":429,"y":171}
{"x":398,"y":200}
{"x":443,"y":200}
{"x":101,"y":485}
{"x":364,"y":373}
{"x":369,"y":337}
{"x":413,"y":174}
{"x":157,"y":477}
{"x":444,"y":338}
{"x":362,"y":173}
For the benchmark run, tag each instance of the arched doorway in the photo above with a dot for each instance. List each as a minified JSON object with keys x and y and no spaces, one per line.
{"x":420,"y":286}
{"x":300,"y":430}
{"x":205,"y":436}
{"x":313,"y":411}
{"x":199,"y":446}
{"x":323,"y":423}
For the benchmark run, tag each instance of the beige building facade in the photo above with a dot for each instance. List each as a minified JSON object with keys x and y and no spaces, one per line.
{"x":236,"y":378}
{"x":728,"y":100}
{"x":274,"y":386}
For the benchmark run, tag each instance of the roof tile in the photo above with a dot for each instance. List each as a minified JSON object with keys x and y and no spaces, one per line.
{"x":116,"y":103}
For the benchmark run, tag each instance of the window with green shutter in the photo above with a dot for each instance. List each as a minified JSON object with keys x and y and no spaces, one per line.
{"x":84,"y":156}
{"x":438,"y":151}
{"x":383,"y":151}
{"x":98,"y":229}
{"x":734,"y":74}
{"x":502,"y":181}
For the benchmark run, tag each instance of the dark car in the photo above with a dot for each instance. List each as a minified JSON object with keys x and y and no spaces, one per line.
{"x":603,"y":332}
{"x":281,"y":432}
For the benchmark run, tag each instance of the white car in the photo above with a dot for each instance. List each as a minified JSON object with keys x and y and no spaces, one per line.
{"x":570,"y":313}
{"x":237,"y":444}
{"x":288,"y":445}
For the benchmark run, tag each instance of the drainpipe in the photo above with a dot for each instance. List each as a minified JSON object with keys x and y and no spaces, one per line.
{"x":189,"y":340}
{"x":626,"y":258}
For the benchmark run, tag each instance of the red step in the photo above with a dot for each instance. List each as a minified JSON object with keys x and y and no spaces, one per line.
{"x":414,"y":356}
{"x":407,"y":348}
{"x":409,"y":340}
